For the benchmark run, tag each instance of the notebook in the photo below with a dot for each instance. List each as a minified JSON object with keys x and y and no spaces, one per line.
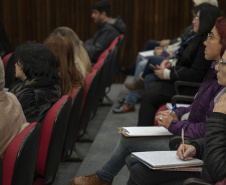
{"x":144,"y":131}
{"x":166,"y":160}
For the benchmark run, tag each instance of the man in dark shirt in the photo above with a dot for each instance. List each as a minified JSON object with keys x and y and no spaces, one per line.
{"x":109,"y":29}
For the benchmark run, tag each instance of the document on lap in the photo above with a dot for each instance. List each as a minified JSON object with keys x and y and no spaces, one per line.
{"x":168,"y":161}
{"x":144,"y":131}
{"x":145,"y":54}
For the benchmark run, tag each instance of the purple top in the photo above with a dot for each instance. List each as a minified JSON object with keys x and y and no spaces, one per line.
{"x":200,"y":109}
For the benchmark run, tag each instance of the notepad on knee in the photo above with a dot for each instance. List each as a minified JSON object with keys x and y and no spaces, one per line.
{"x":166,"y":160}
{"x":144,"y":131}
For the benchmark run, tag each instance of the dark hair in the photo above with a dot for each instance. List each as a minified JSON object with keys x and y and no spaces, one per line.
{"x":221,"y":30}
{"x":37,"y":61}
{"x":207,"y":18}
{"x":208,"y":15}
{"x":102,"y":6}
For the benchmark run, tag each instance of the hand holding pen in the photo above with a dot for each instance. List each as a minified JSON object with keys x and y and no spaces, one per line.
{"x":165,"y":117}
{"x":189,"y":152}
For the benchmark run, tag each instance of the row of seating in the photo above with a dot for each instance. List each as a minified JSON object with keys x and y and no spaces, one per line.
{"x":34,"y":155}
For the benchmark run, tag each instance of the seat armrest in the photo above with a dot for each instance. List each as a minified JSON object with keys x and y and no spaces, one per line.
{"x":175,"y":141}
{"x":195,"y":181}
{"x":178,"y":84}
{"x":181,"y":98}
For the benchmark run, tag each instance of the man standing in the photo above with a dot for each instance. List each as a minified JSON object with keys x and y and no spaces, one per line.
{"x":109,"y":29}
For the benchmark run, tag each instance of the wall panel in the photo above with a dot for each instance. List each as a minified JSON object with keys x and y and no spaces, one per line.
{"x":146,"y":19}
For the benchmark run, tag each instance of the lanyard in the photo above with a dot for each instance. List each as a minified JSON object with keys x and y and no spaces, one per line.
{"x":185,"y":42}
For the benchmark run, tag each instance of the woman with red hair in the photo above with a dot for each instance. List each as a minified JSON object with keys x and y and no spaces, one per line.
{"x":63,"y":51}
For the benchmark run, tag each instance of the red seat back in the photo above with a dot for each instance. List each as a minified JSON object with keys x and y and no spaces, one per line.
{"x":6,"y":58}
{"x":52,"y":138}
{"x":20,"y":158}
{"x":73,"y":122}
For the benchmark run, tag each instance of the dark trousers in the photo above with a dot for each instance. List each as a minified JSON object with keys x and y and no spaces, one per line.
{"x":157,"y":94}
{"x":142,"y":175}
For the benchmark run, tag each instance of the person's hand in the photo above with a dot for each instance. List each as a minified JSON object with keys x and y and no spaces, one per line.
{"x":220,"y":106}
{"x":189,"y":152}
{"x":166,"y":64}
{"x":81,"y":42}
{"x":164,"y":120}
{"x":159,"y":72}
{"x":166,"y":112}
{"x":158,"y":51}
{"x":164,"y":42}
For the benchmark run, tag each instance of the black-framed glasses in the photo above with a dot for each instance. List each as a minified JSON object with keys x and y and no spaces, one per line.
{"x":221,"y":62}
{"x":211,"y":36}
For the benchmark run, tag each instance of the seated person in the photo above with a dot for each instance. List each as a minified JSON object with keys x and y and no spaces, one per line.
{"x":81,"y":58}
{"x":191,"y":68}
{"x":194,"y":126}
{"x":37,"y":88}
{"x":109,"y":29}
{"x":211,"y":149}
{"x":166,"y":44}
{"x":63,"y":50}
{"x":191,"y":64}
{"x":12,"y":119}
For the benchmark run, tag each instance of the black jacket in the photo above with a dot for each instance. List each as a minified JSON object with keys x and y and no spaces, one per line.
{"x":37,"y":99}
{"x":107,"y":32}
{"x":212,"y":148}
{"x":192,"y":65}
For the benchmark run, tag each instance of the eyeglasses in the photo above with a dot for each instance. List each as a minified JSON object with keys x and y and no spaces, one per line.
{"x":195,"y":18}
{"x":211,"y":36}
{"x":221,"y":62}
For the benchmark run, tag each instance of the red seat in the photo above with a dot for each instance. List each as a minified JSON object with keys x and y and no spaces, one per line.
{"x":161,"y":108}
{"x":20,"y":158}
{"x":52,"y":140}
{"x":88,"y":100}
{"x":6,"y":58}
{"x":73,"y":122}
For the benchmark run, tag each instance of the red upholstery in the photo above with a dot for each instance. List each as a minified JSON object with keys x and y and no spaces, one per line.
{"x":6,"y":58}
{"x":15,"y":156}
{"x":99,"y":63}
{"x":161,"y":108}
{"x":88,"y":80}
{"x":73,"y":122}
{"x":52,"y":138}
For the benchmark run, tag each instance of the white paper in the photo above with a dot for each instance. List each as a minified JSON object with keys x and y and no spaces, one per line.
{"x":164,"y":159}
{"x":169,"y":105}
{"x":146,"y":131}
{"x":146,"y":54}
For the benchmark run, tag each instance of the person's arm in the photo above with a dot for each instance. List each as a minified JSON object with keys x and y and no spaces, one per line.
{"x":102,"y":41}
{"x":191,"y":130}
{"x":215,"y":147}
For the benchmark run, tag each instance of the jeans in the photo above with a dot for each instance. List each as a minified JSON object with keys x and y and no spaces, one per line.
{"x":132,"y":96}
{"x":151,"y":44}
{"x":155,"y":60}
{"x":124,"y":147}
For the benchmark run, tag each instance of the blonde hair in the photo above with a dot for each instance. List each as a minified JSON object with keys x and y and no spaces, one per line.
{"x":80,"y":54}
{"x":212,"y":2}
{"x":2,"y":75}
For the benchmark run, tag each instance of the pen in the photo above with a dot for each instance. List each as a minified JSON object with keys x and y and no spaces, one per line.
{"x":172,"y":109}
{"x":182,"y":137}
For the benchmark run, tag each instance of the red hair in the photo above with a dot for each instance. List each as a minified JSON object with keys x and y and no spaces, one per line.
{"x":63,"y":51}
{"x":221,"y":29}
